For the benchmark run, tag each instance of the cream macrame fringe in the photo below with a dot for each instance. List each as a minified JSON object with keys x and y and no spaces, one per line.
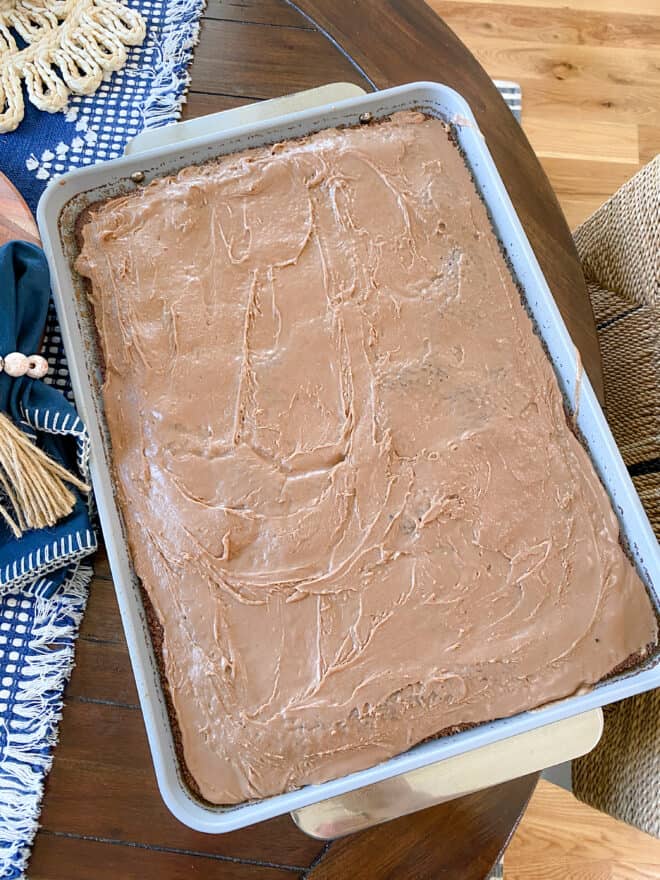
{"x":33,"y":484}
{"x":72,"y":45}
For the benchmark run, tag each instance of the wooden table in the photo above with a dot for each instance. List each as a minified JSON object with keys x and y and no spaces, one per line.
{"x":102,"y":814}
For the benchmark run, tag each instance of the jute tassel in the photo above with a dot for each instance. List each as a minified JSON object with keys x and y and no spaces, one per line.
{"x":33,"y":483}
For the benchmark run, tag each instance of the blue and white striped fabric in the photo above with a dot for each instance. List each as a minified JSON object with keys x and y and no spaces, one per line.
{"x":512,"y":94}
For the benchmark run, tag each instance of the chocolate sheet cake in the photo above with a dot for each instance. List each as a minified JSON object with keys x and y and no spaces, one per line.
{"x":348,"y":484}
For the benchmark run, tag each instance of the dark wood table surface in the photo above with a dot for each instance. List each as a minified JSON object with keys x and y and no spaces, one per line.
{"x":102,"y":815}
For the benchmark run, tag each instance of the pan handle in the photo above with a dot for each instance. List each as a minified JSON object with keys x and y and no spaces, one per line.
{"x":452,"y":778}
{"x":213,"y":123}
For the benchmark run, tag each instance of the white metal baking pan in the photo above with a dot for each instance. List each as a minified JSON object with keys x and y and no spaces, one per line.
{"x":68,"y":195}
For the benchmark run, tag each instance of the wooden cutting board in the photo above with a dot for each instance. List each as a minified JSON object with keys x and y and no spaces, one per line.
{"x":16,"y":220}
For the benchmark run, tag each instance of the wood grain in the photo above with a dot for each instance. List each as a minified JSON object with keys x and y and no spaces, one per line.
{"x":101,"y":621}
{"x":549,"y":97}
{"x":604,"y":7}
{"x":103,"y":785}
{"x":616,"y":143}
{"x":276,"y":841}
{"x":200,"y":104}
{"x":554,"y":29}
{"x":102,"y":674}
{"x":577,"y":207}
{"x":271,"y":12}
{"x":264,"y":62}
{"x":64,"y":858}
{"x":590,"y":76}
{"x":102,"y":565}
{"x":588,"y":177}
{"x":649,"y":142}
{"x":517,"y":59}
{"x":563,"y":839}
{"x":462,"y":830}
{"x":585,"y":184}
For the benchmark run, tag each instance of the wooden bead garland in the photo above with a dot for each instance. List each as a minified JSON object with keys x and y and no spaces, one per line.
{"x":16,"y":364}
{"x":37,"y":366}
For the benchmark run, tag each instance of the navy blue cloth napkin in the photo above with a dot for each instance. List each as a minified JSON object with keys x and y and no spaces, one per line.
{"x":41,"y":560}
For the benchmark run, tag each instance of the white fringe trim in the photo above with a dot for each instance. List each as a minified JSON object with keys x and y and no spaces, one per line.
{"x":170,"y":73}
{"x":23,"y":763}
{"x":68,"y":48}
{"x":25,"y":570}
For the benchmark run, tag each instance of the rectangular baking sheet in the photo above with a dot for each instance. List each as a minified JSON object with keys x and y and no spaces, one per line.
{"x":58,"y":209}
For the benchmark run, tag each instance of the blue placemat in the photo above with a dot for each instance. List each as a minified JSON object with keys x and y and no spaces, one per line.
{"x":39,"y":615}
{"x":37,"y":637}
{"x":146,"y":93}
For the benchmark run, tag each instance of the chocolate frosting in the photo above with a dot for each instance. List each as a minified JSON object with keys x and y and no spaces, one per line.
{"x":342,"y":459}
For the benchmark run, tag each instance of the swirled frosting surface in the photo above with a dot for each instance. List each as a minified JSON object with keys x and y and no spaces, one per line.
{"x":347,"y":479}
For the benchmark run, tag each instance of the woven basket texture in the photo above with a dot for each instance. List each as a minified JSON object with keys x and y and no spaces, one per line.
{"x":619,"y":246}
